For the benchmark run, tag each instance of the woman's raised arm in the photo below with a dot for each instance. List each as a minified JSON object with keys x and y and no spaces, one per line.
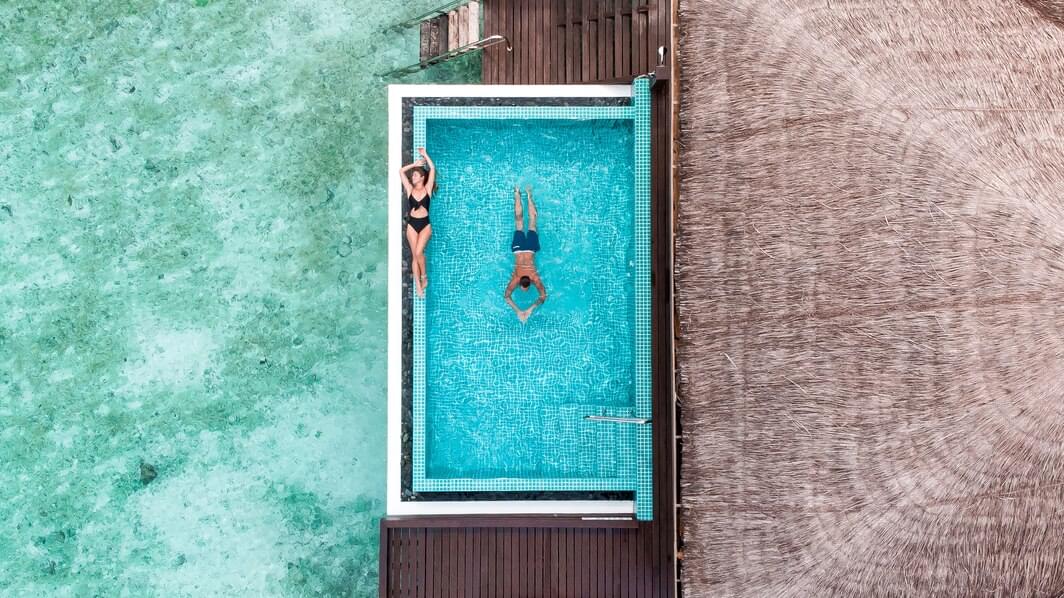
{"x":406,"y":180}
{"x":431,"y":183}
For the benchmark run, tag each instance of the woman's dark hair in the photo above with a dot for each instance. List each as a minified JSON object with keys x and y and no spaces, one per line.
{"x":425,"y":177}
{"x":525,"y":281}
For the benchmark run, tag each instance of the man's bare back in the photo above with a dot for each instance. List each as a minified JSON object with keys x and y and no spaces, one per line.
{"x":524,"y":246}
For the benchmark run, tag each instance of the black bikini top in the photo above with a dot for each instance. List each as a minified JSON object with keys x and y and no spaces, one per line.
{"x":419,"y":203}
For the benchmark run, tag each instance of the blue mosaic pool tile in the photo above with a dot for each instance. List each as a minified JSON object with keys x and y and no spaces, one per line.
{"x":418,"y":369}
{"x":644,"y":491}
{"x":619,"y":470}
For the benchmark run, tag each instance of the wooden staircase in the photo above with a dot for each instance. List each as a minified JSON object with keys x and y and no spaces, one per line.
{"x":450,"y":30}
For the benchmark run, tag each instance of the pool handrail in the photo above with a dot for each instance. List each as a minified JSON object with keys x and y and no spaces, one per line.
{"x":618,"y":420}
{"x":480,"y":44}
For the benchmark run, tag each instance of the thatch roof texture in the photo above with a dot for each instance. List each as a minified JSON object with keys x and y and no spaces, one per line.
{"x":870,"y":275}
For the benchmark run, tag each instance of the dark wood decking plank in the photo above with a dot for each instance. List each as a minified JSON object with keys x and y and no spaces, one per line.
{"x":618,"y":21}
{"x":516,"y":564}
{"x":473,"y":562}
{"x":532,"y":565}
{"x":594,"y":37}
{"x":403,"y":563}
{"x":652,"y":35}
{"x":515,"y":28}
{"x":638,"y":38}
{"x":548,"y":40}
{"x":600,"y":40}
{"x":547,"y":25}
{"x":539,"y":50}
{"x":561,"y":40}
{"x":594,"y":565}
{"x":506,"y":63}
{"x":487,"y":64}
{"x":635,"y":574}
{"x":607,"y":38}
{"x":585,"y":41}
{"x":542,"y":556}
{"x":457,"y":559}
{"x":420,"y":576}
{"x":393,"y":571}
{"x":524,"y":558}
{"x":555,"y":566}
{"x":521,"y":46}
{"x":661,"y":37}
{"x":502,"y":65}
{"x":487,"y":545}
{"x":538,"y":8}
{"x":437,"y":570}
{"x":465,"y":549}
{"x":530,"y":42}
{"x":572,"y":42}
{"x":404,"y":555}
{"x":564,"y":560}
{"x":609,"y":587}
{"x":476,"y":564}
{"x":503,"y":563}
{"x":570,"y":52}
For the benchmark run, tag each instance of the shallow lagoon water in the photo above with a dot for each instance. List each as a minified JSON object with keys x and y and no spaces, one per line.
{"x":192,"y":295}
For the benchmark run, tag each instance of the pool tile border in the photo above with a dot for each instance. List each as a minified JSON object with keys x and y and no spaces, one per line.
{"x":642,"y":484}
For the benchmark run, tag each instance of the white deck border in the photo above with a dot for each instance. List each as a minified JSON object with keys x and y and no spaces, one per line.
{"x":395,"y":504}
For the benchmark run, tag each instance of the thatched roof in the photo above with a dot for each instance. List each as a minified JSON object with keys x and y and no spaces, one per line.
{"x":870,"y":284}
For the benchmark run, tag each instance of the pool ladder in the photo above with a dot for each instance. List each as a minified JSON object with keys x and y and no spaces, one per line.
{"x":447,"y":32}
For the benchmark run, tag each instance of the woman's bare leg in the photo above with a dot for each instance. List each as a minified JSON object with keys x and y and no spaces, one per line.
{"x":422,"y":242}
{"x":415,"y":265}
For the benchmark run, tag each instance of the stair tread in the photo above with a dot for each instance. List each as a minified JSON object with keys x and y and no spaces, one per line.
{"x":463,"y":25}
{"x":474,"y":21}
{"x":452,"y":37}
{"x":425,"y":37}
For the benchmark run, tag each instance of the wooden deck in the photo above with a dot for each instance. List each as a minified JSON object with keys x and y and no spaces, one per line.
{"x":567,"y":41}
{"x":575,"y":41}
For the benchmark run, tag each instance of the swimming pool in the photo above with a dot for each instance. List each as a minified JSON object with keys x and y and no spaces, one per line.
{"x":501,"y":407}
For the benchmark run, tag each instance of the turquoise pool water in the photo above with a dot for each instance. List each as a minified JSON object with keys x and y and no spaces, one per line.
{"x":506,"y":399}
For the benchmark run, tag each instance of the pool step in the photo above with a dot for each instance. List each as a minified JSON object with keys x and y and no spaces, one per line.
{"x":449,"y":31}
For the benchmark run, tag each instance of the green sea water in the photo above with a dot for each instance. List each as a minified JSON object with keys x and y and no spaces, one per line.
{"x":192,"y":294}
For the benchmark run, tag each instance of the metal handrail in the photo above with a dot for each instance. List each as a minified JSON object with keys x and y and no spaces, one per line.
{"x":480,"y":44}
{"x":617,"y":420}
{"x":439,"y":10}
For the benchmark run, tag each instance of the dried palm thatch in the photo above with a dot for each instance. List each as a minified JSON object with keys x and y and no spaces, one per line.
{"x":870,"y":284}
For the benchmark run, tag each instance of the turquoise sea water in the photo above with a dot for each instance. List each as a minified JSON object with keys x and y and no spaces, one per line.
{"x":506,"y":399}
{"x":193,"y":295}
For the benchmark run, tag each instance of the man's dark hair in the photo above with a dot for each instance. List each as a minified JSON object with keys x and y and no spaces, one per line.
{"x":525,"y":281}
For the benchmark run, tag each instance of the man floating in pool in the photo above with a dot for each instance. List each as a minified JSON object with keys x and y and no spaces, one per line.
{"x":524,"y":246}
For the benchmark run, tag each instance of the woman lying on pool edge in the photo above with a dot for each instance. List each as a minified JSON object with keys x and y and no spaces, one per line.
{"x":418,"y":186}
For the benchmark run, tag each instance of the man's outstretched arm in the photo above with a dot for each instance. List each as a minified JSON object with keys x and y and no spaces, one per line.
{"x":542,"y":292}
{"x":509,"y":295}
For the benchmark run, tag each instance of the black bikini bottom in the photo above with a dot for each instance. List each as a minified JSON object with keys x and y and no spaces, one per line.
{"x":418,"y":223}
